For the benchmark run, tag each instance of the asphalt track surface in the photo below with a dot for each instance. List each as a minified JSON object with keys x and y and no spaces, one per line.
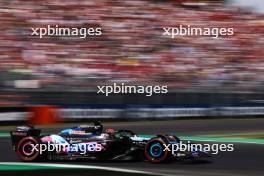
{"x":247,"y":159}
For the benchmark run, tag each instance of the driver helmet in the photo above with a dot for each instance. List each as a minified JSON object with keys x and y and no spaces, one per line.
{"x":109,"y":131}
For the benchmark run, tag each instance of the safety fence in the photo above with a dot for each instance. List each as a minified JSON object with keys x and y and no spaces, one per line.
{"x":49,"y":115}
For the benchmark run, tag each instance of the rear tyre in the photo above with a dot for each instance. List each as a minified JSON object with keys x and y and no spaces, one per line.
{"x":155,"y":151}
{"x":28,"y":149}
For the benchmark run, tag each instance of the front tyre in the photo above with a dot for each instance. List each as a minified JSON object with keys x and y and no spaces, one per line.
{"x":155,"y":151}
{"x":28,"y":149}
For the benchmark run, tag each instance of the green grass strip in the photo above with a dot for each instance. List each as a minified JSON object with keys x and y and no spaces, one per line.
{"x":215,"y":139}
{"x":223,"y":139}
{"x":6,"y":167}
{"x":4,"y":134}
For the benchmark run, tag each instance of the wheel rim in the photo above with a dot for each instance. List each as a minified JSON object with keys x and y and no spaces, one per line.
{"x":26,"y":150}
{"x":154,"y":151}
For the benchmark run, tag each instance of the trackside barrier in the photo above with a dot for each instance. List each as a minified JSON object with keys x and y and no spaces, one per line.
{"x":92,"y":113}
{"x":13,"y":116}
{"x":138,"y":113}
{"x":13,"y":113}
{"x":38,"y":115}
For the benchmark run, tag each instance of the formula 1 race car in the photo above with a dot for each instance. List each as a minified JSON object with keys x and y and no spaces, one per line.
{"x":93,"y":142}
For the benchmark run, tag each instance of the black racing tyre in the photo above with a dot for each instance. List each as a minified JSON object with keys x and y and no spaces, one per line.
{"x":26,"y":150}
{"x":155,"y":151}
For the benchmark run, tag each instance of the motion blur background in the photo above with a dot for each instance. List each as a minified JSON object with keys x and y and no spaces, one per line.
{"x":205,"y":76}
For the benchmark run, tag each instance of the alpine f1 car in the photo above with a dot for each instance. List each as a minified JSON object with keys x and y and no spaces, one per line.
{"x":93,"y":142}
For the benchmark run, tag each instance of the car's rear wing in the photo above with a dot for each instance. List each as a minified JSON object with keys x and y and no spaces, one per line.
{"x":21,"y":132}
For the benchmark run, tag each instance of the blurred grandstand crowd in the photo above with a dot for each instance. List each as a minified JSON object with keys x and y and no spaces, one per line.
{"x":132,"y":48}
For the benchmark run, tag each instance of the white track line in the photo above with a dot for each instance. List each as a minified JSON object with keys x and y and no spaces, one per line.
{"x":74,"y":166}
